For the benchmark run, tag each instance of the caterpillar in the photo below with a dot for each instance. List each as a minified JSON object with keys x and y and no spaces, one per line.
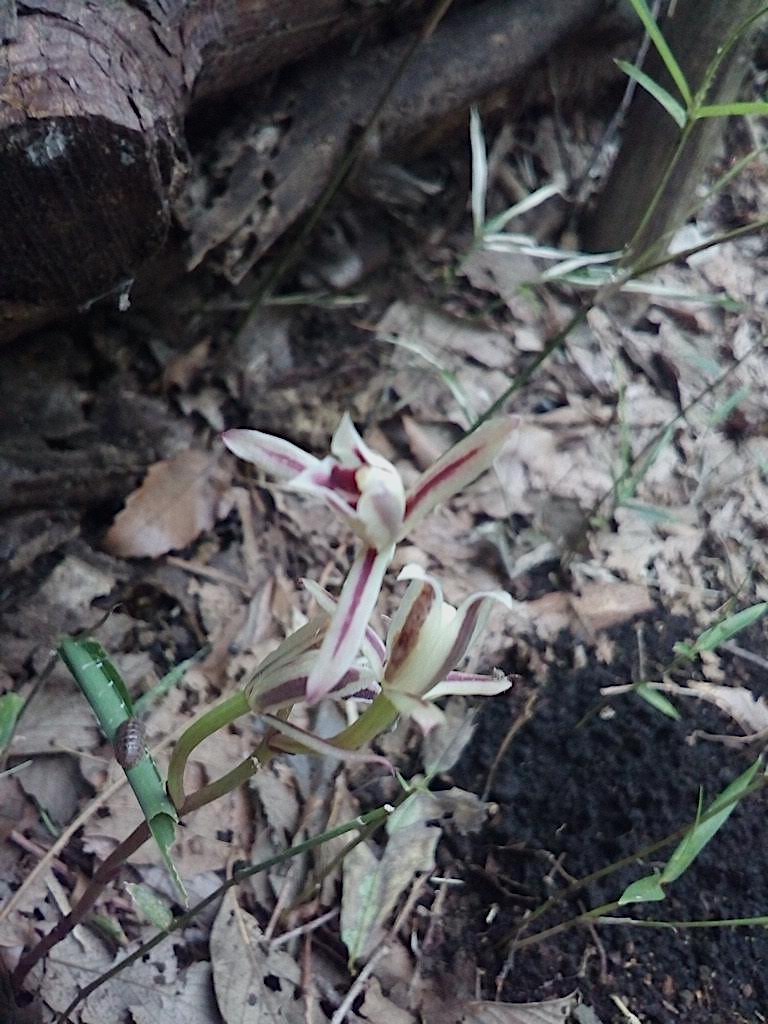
{"x":129,"y":743}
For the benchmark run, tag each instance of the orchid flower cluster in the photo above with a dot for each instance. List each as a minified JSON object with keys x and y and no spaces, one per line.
{"x":337,"y":653}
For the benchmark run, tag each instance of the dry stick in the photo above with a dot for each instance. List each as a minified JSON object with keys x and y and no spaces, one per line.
{"x":370,"y":820}
{"x":524,"y":716}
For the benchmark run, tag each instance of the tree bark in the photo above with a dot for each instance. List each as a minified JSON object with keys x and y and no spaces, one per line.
{"x":93,"y":98}
{"x":694,"y":34}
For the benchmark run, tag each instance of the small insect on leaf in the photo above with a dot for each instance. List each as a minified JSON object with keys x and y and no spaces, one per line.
{"x":129,"y":743}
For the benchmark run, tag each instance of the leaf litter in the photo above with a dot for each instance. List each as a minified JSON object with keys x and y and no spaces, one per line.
{"x":684,"y":538}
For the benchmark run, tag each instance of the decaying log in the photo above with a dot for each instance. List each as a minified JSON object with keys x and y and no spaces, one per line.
{"x":94,"y":95}
{"x":297,"y":140}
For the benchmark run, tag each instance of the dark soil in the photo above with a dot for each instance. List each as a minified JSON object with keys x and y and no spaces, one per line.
{"x":593,"y":793}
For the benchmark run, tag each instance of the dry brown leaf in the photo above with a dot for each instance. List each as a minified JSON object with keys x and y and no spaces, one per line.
{"x":603,"y":605}
{"x":378,"y":1009}
{"x":550,"y":1011}
{"x":372,"y":887}
{"x":178,"y":499}
{"x":745,"y":707}
{"x":254,"y":984}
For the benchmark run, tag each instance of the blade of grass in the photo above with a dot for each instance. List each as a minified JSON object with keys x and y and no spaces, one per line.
{"x":675,"y":110}
{"x":651,"y":888}
{"x":745,"y":109}
{"x":657,"y":38}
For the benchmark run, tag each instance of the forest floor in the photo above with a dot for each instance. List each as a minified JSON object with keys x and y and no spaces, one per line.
{"x":627,"y":514}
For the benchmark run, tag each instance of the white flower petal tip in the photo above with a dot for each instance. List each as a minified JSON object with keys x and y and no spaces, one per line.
{"x":425,"y":714}
{"x":457,"y":468}
{"x":272,"y":454}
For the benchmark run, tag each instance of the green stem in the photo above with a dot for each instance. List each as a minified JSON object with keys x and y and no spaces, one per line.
{"x":232,"y":708}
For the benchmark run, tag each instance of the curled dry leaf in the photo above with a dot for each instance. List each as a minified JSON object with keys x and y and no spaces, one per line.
{"x":549,"y":1011}
{"x":742,"y":705}
{"x":178,"y":499}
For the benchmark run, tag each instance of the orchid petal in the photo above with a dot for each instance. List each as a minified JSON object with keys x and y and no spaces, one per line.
{"x":318,"y":480}
{"x":372,"y":645}
{"x":470,"y":618}
{"x":419,"y":638}
{"x":469,"y":684}
{"x":381,"y":506}
{"x":302,"y":742}
{"x":347,"y":629}
{"x":272,"y":454}
{"x":425,"y":714}
{"x":303,"y":639}
{"x":351,"y":450}
{"x":456,"y":468}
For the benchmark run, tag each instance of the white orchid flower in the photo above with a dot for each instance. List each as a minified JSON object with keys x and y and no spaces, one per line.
{"x":368,"y":492}
{"x":426,"y":640}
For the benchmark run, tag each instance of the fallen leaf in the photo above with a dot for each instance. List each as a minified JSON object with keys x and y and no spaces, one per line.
{"x":372,"y":887}
{"x":550,"y":1011}
{"x":603,"y":605}
{"x":178,"y":499}
{"x":254,"y":984}
{"x":749,"y":710}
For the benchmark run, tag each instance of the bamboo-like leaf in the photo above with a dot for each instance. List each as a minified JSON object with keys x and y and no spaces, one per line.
{"x":657,"y":38}
{"x":713,"y":638}
{"x":10,"y":709}
{"x":675,"y":110}
{"x":651,"y":888}
{"x":152,"y":907}
{"x":732,"y":109}
{"x":105,"y":691}
{"x":657,"y":700}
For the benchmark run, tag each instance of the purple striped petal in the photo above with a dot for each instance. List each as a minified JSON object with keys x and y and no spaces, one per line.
{"x":345,"y":633}
{"x":272,"y":454}
{"x":469,"y":684}
{"x":372,"y":645}
{"x":456,"y":468}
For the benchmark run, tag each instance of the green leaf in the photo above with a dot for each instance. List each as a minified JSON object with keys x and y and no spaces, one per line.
{"x":651,"y":888}
{"x":713,"y":638}
{"x":717,"y":814}
{"x":10,"y":709}
{"x":670,"y":62}
{"x":150,"y":905}
{"x":675,"y":110}
{"x":108,"y":696}
{"x":657,"y":700}
{"x":644,"y":890}
{"x":731,"y":109}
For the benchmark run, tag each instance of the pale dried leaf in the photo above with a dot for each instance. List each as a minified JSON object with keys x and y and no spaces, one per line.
{"x":178,"y":499}
{"x":253,"y":984}
{"x":745,"y":707}
{"x":603,"y":605}
{"x":378,"y":1009}
{"x":373,"y":887}
{"x":550,"y":1011}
